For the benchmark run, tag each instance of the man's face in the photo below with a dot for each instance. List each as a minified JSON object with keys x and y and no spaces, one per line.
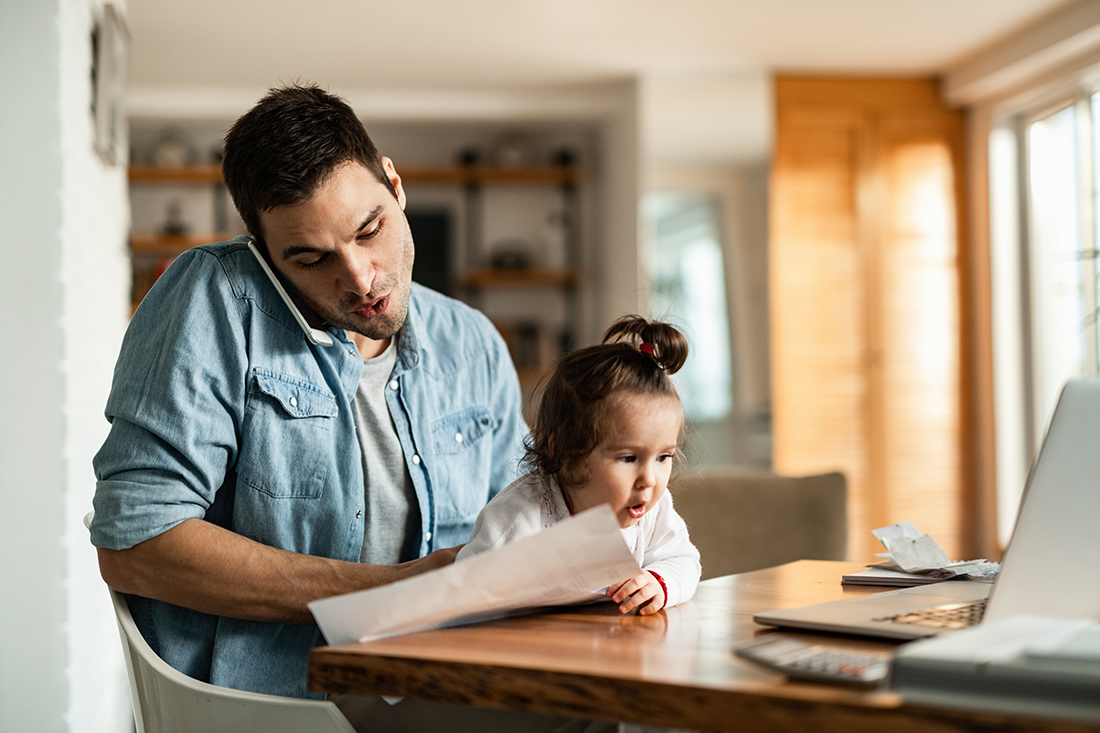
{"x":347,"y":253}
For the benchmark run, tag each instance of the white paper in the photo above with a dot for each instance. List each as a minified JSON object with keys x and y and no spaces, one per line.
{"x":900,"y":529}
{"x":918,"y":554}
{"x":562,"y":565}
{"x":975,"y":569}
{"x":914,"y":554}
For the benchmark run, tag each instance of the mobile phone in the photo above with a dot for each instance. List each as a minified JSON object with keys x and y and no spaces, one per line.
{"x":316,"y":336}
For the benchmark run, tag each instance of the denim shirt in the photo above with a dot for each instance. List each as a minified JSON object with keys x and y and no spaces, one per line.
{"x":222,"y":410}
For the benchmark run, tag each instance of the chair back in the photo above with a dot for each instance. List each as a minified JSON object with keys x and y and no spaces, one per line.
{"x":167,"y":701}
{"x":743,"y":520}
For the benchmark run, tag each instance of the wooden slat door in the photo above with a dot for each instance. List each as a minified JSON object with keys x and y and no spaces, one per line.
{"x":865,"y":300}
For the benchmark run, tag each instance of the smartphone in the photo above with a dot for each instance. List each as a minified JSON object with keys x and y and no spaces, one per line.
{"x":316,"y":336}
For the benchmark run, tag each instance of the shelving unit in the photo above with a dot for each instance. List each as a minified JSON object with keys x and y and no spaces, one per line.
{"x":532,"y":343}
{"x":152,"y":251}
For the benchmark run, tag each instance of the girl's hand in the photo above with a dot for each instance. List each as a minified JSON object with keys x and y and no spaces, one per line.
{"x":642,"y":592}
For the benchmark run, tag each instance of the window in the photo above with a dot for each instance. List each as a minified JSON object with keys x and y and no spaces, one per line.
{"x":1043,"y":205}
{"x":1059,"y":282}
{"x":687,"y":276}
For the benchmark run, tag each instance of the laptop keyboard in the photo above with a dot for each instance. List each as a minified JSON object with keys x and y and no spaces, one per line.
{"x":947,"y":616}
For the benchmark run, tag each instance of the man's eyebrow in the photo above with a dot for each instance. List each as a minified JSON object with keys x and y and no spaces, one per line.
{"x":292,"y":252}
{"x":374,"y":214}
{"x":299,"y":249}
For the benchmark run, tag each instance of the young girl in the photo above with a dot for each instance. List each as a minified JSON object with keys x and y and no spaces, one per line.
{"x":608,"y":427}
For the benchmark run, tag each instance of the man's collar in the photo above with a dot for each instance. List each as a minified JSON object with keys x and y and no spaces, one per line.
{"x":408,"y":340}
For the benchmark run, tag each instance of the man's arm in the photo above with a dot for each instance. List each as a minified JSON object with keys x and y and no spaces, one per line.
{"x":199,"y":565}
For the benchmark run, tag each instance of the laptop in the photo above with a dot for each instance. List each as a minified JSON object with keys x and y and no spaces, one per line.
{"x":1050,"y":567}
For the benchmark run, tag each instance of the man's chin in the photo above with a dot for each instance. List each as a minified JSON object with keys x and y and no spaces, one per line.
{"x":376,"y":329}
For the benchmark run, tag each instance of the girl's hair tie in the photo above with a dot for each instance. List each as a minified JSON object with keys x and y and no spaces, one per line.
{"x":646,"y":348}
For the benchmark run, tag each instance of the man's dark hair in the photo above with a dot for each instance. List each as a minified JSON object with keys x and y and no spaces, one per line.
{"x":287,"y":146}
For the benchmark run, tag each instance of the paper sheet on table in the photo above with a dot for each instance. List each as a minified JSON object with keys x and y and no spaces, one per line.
{"x":562,"y":565}
{"x":910,"y":550}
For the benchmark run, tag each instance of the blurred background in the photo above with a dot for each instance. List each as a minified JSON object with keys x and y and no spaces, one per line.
{"x":875,"y":221}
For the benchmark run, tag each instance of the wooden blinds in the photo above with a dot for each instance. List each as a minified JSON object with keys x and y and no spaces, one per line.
{"x":865,"y":299}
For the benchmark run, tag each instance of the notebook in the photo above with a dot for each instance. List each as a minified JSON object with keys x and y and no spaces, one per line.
{"x":1050,"y":567}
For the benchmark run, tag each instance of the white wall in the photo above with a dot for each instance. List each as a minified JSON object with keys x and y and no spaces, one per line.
{"x":62,"y":292}
{"x":616,"y":265}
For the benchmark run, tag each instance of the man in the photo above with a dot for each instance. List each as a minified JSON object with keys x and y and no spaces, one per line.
{"x":249,"y":471}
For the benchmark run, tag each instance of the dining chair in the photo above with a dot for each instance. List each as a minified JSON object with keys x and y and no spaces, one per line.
{"x":744,"y":519}
{"x":167,"y":701}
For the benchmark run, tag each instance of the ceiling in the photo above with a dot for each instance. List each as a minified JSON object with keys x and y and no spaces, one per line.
{"x":715,"y":52}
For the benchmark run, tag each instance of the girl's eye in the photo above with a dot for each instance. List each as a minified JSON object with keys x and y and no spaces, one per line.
{"x":626,"y":459}
{"x":664,"y":457}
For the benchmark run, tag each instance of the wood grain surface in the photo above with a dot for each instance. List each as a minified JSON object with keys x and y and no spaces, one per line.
{"x":675,"y":668}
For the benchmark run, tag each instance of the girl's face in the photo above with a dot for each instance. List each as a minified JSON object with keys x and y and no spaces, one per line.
{"x":630,"y":469}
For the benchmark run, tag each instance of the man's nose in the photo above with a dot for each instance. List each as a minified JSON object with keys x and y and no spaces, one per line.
{"x":358,"y":274}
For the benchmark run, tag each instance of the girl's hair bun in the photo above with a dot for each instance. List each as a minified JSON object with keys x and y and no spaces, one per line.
{"x":663,"y":341}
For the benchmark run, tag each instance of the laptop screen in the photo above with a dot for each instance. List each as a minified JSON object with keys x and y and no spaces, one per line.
{"x":1050,"y":567}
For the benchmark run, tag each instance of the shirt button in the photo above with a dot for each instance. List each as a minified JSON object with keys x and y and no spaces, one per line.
{"x":458,"y":437}
{"x":416,"y":460}
{"x":358,"y":513}
{"x":351,"y":352}
{"x":427,"y":536}
{"x":293,"y":401}
{"x":393,"y":384}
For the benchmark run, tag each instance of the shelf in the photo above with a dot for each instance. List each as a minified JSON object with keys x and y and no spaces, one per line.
{"x":203,"y":174}
{"x":173,"y":244}
{"x":552,"y":175}
{"x":527,"y":277}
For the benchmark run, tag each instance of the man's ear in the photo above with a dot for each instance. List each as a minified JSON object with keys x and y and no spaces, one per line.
{"x":395,"y":180}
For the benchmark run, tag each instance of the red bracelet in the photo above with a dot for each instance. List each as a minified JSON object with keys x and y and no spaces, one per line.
{"x":664,"y":588}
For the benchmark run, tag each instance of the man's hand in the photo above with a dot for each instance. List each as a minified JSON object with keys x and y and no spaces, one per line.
{"x":437,"y":559}
{"x":642,"y":592}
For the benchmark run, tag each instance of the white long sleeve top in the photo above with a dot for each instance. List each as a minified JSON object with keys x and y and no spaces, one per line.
{"x":659,"y":542}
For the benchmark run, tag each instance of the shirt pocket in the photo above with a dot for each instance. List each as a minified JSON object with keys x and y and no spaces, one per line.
{"x":463,"y":448}
{"x":287,"y":445}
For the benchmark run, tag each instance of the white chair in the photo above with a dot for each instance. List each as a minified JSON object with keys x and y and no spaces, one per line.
{"x":167,"y":701}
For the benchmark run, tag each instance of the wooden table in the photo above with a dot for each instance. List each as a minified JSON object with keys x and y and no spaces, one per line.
{"x":674,"y":668}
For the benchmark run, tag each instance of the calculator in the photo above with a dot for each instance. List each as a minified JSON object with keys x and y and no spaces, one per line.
{"x":816,"y":661}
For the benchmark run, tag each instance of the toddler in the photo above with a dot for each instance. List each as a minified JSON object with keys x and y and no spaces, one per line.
{"x":608,"y":426}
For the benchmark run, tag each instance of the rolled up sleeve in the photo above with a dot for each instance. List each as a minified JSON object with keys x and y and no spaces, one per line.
{"x":175,"y":406}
